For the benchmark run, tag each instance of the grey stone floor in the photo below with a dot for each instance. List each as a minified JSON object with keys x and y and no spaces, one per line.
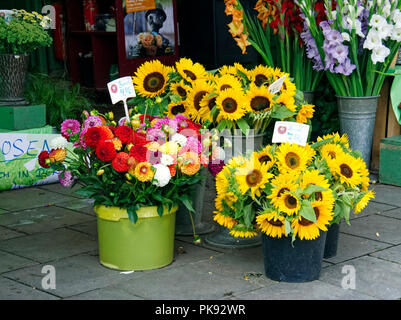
{"x":49,"y":225}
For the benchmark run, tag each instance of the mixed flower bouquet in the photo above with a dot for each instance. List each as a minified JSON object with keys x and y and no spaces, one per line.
{"x":149,"y":43}
{"x":291,"y":190}
{"x":355,"y":45}
{"x":24,"y":33}
{"x":276,"y":31}
{"x":231,"y":97}
{"x":149,"y":161}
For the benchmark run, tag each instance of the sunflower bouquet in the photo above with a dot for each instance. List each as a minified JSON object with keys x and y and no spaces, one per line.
{"x":290,"y":190}
{"x":232,"y":97}
{"x":152,"y":162}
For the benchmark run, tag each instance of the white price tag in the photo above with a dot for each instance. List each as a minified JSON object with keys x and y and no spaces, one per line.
{"x":276,"y":85}
{"x":121,"y":89}
{"x":291,"y":132}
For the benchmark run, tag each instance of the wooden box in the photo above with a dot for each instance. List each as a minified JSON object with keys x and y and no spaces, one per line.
{"x":390,"y":161}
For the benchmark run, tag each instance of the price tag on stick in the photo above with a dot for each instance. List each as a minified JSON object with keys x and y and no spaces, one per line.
{"x":275,"y":87}
{"x":120,"y":90}
{"x":291,"y":132}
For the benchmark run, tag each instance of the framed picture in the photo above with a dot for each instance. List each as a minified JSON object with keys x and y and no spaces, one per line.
{"x":147,"y":30}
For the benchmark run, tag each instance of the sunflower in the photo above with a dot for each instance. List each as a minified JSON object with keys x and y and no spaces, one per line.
{"x":231,"y":105}
{"x":242,"y":233}
{"x":228,"y":81}
{"x":361,"y":204}
{"x":200,"y":89}
{"x":227,"y":70}
{"x":222,"y":181}
{"x":180,"y":89}
{"x":265,"y":156}
{"x":225,"y":221}
{"x":175,"y":108}
{"x":262,"y":75}
{"x":190,"y":71}
{"x":151,"y":78}
{"x":331,"y":150}
{"x":207,"y":103}
{"x":288,"y":87}
{"x":347,"y":168}
{"x":253,"y":176}
{"x":293,"y":158}
{"x":343,"y":140}
{"x":144,"y":172}
{"x":287,"y":100}
{"x":258,"y":99}
{"x":271,"y":224}
{"x":309,"y":230}
{"x":288,"y":203}
{"x":364,"y":172}
{"x":305,"y":113}
{"x":284,"y":182}
{"x":229,"y":199}
{"x":239,"y":67}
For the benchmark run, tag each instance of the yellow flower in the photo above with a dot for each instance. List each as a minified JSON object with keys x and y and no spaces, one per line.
{"x":170,"y":147}
{"x":305,"y":113}
{"x":343,"y":140}
{"x":362,"y":203}
{"x":243,"y":233}
{"x":262,"y":75}
{"x":201,"y":88}
{"x":180,"y":89}
{"x":288,"y":203}
{"x":284,"y":182}
{"x":271,"y":224}
{"x":190,"y":71}
{"x":331,"y":150}
{"x":293,"y":158}
{"x":151,"y":78}
{"x":175,"y":108}
{"x":287,"y":101}
{"x":258,"y":99}
{"x":231,"y":105}
{"x":228,"y":81}
{"x":143,"y":172}
{"x":347,"y":168}
{"x":224,"y":220}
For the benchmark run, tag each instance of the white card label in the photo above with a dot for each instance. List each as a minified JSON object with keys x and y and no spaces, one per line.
{"x":291,"y":132}
{"x":276,"y":85}
{"x":121,"y":89}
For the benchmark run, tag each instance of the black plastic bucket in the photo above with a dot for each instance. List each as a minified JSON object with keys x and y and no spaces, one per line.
{"x":330,"y":249}
{"x":300,"y":262}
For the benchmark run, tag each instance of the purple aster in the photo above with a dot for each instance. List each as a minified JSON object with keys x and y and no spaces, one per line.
{"x":70,"y":127}
{"x":92,"y":121}
{"x":66,"y":179}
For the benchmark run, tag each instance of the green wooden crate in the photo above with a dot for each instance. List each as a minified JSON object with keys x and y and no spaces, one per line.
{"x":390,"y":161}
{"x":22,"y":117}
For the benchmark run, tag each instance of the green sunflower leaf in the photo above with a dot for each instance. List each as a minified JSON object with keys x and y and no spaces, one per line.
{"x":313,"y":188}
{"x":243,"y":125}
{"x":307,"y":211}
{"x":281,"y":112}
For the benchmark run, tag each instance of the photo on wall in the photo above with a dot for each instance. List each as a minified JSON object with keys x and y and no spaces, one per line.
{"x":149,"y":28}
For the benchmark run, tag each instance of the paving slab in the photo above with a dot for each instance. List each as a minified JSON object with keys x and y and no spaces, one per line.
{"x":372,"y":208}
{"x":108,"y":293}
{"x":9,"y":262}
{"x":350,"y":247}
{"x":187,"y":282}
{"x":387,"y":194}
{"x":74,"y":275}
{"x":58,"y":188}
{"x":89,"y":228}
{"x":80,"y":205}
{"x":12,"y":290}
{"x":392,"y":254}
{"x":48,"y":246}
{"x":42,"y":219}
{"x":374,"y":277}
{"x":375,"y":227}
{"x":6,"y":233}
{"x":314,"y":290}
{"x":28,"y":198}
{"x":395,"y":213}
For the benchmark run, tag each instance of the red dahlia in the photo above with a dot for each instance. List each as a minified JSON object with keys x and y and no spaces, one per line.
{"x":105,"y":151}
{"x":43,"y":156}
{"x":139,"y":153}
{"x":120,"y":162}
{"x":140,"y":139}
{"x":94,"y":135}
{"x":124,"y":133}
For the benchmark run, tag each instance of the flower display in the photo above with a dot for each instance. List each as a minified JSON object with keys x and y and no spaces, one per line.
{"x":355,"y":44}
{"x":124,"y":165}
{"x":290,"y":190}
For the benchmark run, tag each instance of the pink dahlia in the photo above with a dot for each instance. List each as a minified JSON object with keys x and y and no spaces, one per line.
{"x":70,"y":127}
{"x":66,"y":179}
{"x":92,"y":121}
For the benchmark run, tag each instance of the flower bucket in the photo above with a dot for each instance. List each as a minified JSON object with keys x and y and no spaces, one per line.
{"x":357,"y":119}
{"x":146,"y":244}
{"x":301,"y":262}
{"x":330,"y":249}
{"x":309,"y":96}
{"x":13,"y":69}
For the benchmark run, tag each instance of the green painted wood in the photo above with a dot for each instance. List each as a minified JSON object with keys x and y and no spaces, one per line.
{"x":22,"y":117}
{"x":390,"y":161}
{"x":42,"y":130}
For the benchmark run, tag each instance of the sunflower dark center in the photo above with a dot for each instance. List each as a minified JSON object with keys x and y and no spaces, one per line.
{"x":253,"y":178}
{"x":211,"y":103}
{"x":332,"y":154}
{"x":260,"y":79}
{"x":181,"y":92}
{"x":230,"y":105}
{"x":225,"y":86}
{"x":197,"y":99}
{"x":281,"y":191}
{"x":153,"y":82}
{"x":290,"y":202}
{"x":259,"y":103}
{"x":276,"y":223}
{"x":292,"y":160}
{"x":305,"y":222}
{"x":318,"y":196}
{"x":190,"y":74}
{"x":177,"y":109}
{"x":264,"y":159}
{"x":346,"y":170}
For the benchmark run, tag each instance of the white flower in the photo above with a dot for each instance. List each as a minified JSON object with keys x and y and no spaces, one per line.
{"x":396,"y":34}
{"x":162,"y":175}
{"x":377,"y":21}
{"x":373,"y":40}
{"x":385,"y":31}
{"x":358,"y":28}
{"x":59,"y":143}
{"x":179,"y":138}
{"x":166,"y":159}
{"x":379,"y":54}
{"x":345,"y":36}
{"x":396,"y":18}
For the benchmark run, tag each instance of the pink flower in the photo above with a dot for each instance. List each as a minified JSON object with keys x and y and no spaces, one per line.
{"x":66,"y":179}
{"x":92,"y":121}
{"x":70,"y":127}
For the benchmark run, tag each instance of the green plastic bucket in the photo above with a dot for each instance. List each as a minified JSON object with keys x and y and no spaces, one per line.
{"x":147,"y":244}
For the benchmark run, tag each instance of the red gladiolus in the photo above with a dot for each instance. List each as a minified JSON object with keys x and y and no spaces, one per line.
{"x":124,"y":133}
{"x":105,"y":151}
{"x":120,"y":162}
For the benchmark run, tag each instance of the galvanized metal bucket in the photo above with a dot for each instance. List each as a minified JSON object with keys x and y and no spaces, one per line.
{"x":13,"y":69}
{"x":357,"y":119}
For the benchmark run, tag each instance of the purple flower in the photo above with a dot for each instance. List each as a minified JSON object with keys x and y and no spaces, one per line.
{"x":66,"y":179}
{"x":70,"y":127}
{"x":153,"y":134}
{"x":345,"y":68}
{"x":169,"y":126}
{"x":92,"y":121}
{"x":312,"y":51}
{"x":216,"y":168}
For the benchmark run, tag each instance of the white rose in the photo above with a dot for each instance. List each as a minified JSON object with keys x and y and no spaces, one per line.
{"x":58,"y":143}
{"x":162,"y":175}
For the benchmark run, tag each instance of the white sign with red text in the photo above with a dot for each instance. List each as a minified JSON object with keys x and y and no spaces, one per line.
{"x":291,"y":132}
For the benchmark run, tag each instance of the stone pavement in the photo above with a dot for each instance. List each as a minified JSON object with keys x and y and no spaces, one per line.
{"x":50,"y":225}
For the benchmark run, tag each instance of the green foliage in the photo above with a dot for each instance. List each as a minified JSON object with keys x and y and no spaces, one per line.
{"x":62,"y":100}
{"x":22,"y":35}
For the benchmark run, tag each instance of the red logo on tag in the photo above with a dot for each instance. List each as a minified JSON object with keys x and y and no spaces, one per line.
{"x":282,"y":130}
{"x":114,"y":88}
